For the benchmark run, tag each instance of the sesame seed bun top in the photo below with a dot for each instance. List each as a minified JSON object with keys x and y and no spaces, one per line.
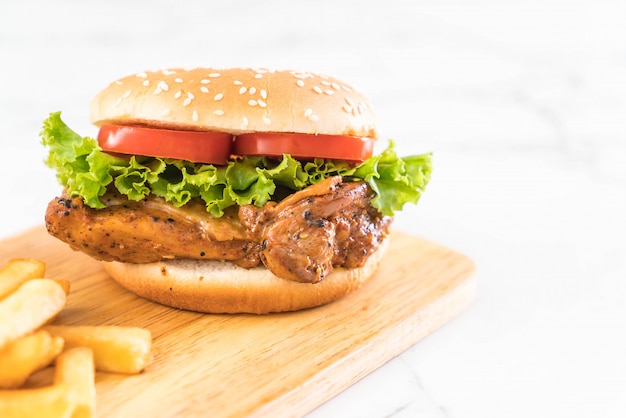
{"x":236,"y":100}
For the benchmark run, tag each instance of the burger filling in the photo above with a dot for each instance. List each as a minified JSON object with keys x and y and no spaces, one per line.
{"x":300,"y":219}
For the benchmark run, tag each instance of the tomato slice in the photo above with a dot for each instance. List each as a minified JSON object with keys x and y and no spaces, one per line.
{"x":304,"y":146}
{"x":216,"y":147}
{"x":194,"y":146}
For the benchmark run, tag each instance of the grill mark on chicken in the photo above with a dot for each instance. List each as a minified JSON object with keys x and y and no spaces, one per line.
{"x":301,"y":238}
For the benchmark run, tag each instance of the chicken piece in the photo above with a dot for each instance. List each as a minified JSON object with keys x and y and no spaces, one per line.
{"x":149,"y":230}
{"x":333,"y":224}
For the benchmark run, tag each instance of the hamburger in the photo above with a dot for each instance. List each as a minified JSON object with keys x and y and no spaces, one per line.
{"x":230,"y":190}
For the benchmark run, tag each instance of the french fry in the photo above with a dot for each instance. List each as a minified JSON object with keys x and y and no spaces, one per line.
{"x":20,"y":358}
{"x":17,"y":272}
{"x":48,"y":401}
{"x":76,"y":367}
{"x":65,"y":284}
{"x":30,"y":306}
{"x":116,"y":349}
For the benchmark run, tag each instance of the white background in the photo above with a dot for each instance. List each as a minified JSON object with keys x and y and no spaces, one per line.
{"x":523,"y":104}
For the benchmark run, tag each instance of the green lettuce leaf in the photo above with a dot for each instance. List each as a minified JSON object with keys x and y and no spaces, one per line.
{"x":85,"y":170}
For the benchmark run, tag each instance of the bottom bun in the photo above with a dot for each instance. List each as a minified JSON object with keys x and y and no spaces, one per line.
{"x":222,"y":287}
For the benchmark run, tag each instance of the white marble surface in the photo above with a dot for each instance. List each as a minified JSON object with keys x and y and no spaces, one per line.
{"x":523,"y":104}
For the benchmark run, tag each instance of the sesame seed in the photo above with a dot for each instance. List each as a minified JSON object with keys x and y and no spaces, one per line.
{"x":266,"y":120}
{"x":213,"y":75}
{"x":178,"y":94}
{"x":329,"y":92}
{"x":187,"y":101}
{"x":126,"y":94}
{"x":347,"y":108}
{"x":308,"y":112}
{"x":350,"y":101}
{"x":313,"y":118}
{"x":165,"y":111}
{"x":178,"y":80}
{"x":262,"y":103}
{"x":346,"y":88}
{"x":317,"y":90}
{"x":219,"y":112}
{"x":118,"y":101}
{"x":258,"y":76}
{"x":204,"y":89}
{"x":205,"y":81}
{"x":119,"y":83}
{"x":158,"y":90}
{"x":244,"y":122}
{"x":237,"y":83}
{"x":303,"y":75}
{"x":146,"y":83}
{"x":194,"y":116}
{"x":252,"y":102}
{"x":168,"y":72}
{"x":326,"y":83}
{"x":252,"y":90}
{"x":190,"y":95}
{"x":300,"y":83}
{"x":335,"y":86}
{"x":263,"y":93}
{"x":163,"y":85}
{"x":242,"y":90}
{"x":142,"y":75}
{"x":218,"y":96}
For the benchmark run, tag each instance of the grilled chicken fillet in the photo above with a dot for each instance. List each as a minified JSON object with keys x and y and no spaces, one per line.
{"x":301,"y":238}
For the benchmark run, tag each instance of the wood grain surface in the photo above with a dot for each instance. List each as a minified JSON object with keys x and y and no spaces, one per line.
{"x":278,"y":365}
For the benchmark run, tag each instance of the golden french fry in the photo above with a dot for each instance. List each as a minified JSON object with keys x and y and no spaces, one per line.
{"x":27,"y":354}
{"x":49,"y":401}
{"x":65,"y":284}
{"x":30,"y":306}
{"x":17,"y":272}
{"x":76,"y":367}
{"x":117,"y":349}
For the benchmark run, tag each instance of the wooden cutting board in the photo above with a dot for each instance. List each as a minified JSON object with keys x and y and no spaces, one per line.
{"x":278,"y":365}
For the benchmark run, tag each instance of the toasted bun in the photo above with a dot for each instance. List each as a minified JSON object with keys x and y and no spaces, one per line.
{"x":222,"y":287}
{"x":236,"y":100}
